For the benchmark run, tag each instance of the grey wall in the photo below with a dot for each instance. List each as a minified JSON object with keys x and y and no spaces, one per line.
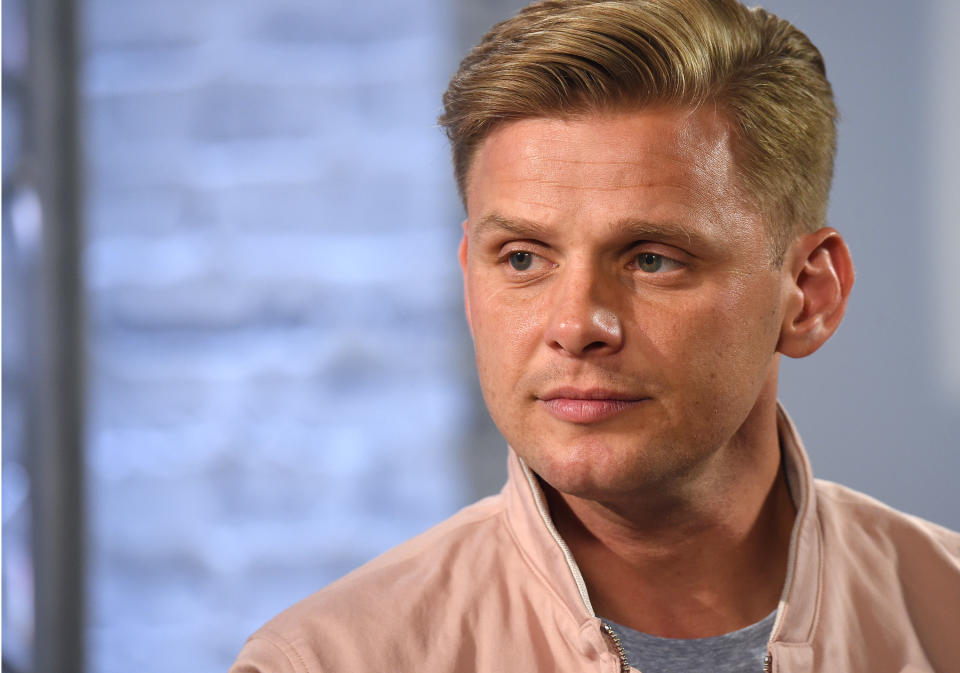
{"x":875,"y":406}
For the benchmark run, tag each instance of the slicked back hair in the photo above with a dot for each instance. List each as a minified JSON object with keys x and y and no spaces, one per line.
{"x":567,"y":58}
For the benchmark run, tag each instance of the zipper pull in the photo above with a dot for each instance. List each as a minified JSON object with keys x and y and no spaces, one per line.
{"x":767,"y":663}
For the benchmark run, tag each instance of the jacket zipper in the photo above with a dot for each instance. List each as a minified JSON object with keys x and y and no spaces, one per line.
{"x":767,"y":663}
{"x":621,"y":653}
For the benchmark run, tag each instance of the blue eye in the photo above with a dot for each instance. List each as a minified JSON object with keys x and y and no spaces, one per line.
{"x":521,"y":261}
{"x":649,"y":262}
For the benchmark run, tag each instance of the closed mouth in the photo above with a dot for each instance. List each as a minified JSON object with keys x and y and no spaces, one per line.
{"x":587,"y":406}
{"x":589,"y":394}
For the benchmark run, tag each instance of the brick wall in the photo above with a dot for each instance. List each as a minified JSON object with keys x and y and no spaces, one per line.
{"x":277,"y":354}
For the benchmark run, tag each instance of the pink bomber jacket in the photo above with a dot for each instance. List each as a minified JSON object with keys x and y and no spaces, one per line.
{"x":495,"y":588}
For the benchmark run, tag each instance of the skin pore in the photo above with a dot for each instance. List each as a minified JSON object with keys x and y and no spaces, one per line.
{"x":628,"y":320}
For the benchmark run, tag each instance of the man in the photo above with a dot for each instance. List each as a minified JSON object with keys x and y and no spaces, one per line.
{"x":646,"y":185}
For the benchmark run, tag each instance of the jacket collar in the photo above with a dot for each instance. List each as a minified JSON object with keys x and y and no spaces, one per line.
{"x":800,"y":600}
{"x":529,"y":517}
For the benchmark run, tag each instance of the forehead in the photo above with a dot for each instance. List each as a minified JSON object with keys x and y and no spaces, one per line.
{"x":655,"y":164}
{"x":625,"y":136}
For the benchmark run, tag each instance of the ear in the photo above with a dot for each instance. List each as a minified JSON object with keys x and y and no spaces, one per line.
{"x":819,"y":276}
{"x":462,"y":254}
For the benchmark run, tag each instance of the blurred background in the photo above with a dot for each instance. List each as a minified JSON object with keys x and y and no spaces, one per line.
{"x":234,"y":362}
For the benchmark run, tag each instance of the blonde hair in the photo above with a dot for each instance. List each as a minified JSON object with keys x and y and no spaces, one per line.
{"x":572,"y":57}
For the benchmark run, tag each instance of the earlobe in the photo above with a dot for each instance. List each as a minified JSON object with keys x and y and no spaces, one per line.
{"x":462,"y":252}
{"x":820,"y":278}
{"x":462,"y":255}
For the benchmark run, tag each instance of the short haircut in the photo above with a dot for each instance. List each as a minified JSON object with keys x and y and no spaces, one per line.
{"x":568,"y":58}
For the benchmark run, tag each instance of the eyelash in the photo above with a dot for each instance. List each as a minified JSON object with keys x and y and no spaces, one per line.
{"x":509,"y":255}
{"x":662,"y":260}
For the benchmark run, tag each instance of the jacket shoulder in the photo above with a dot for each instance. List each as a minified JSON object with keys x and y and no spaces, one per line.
{"x":845,"y":509}
{"x":890,"y":579}
{"x":393,"y":605}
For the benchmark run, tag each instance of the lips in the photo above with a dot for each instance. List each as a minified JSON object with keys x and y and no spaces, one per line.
{"x":587,"y":406}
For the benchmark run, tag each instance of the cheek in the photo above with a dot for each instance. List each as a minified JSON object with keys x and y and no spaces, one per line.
{"x":713,"y":344}
{"x":506,"y":331}
{"x":744,"y":350}
{"x":510,"y":315}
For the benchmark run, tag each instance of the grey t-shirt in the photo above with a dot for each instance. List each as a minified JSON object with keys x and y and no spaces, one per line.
{"x":736,"y":652}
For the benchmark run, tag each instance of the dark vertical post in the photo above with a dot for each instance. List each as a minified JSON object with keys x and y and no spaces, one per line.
{"x":56,"y":422}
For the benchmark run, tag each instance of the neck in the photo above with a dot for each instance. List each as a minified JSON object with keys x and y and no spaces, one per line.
{"x":707,"y":558}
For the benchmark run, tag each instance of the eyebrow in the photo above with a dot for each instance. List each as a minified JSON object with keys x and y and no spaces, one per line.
{"x":636,"y":229}
{"x":664,"y":231}
{"x":495,"y":222}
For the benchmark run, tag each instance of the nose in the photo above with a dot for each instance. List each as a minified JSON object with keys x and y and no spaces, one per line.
{"x":582,"y":321}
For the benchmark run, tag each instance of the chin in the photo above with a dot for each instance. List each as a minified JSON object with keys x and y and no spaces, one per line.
{"x":598,"y":467}
{"x":590,"y":468}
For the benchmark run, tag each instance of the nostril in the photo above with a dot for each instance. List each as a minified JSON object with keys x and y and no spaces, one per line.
{"x":580,"y":324}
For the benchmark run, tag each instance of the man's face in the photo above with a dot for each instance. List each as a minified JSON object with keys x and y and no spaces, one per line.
{"x":621,"y":297}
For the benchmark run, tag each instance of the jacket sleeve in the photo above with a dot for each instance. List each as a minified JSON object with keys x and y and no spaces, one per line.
{"x":265,"y":654}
